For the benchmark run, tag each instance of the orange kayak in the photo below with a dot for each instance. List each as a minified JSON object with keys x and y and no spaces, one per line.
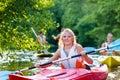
{"x":96,"y":73}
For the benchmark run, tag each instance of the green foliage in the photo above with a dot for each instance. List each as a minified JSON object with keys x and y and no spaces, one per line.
{"x":16,"y":19}
{"x":91,"y":20}
{"x":71,"y":13}
{"x":105,"y":17}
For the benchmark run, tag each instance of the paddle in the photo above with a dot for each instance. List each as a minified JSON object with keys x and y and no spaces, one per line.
{"x":67,"y":58}
{"x":89,"y":48}
{"x":36,"y":36}
{"x":4,"y":75}
{"x":117,"y":48}
{"x":39,"y":41}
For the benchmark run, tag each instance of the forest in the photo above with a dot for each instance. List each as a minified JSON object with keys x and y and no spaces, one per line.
{"x":91,"y":20}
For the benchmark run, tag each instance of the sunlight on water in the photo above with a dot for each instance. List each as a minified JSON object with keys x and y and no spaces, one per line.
{"x":111,"y":75}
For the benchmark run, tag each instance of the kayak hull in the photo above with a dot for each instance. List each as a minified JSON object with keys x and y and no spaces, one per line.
{"x":96,"y":73}
{"x":110,"y":61}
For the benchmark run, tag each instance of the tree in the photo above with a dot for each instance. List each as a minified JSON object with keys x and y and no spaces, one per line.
{"x":16,"y":19}
{"x":70,"y":13}
{"x":104,"y":16}
{"x":91,"y":20}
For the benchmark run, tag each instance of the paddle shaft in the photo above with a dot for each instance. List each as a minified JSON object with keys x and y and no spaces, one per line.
{"x":71,"y":57}
{"x":67,"y":58}
{"x":34,"y":32}
{"x":36,"y":36}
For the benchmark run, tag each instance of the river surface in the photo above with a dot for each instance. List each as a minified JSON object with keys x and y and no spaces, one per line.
{"x":114,"y":73}
{"x":11,"y":62}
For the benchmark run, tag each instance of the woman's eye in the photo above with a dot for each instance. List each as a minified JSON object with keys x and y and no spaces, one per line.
{"x":64,"y":36}
{"x":69,"y":36}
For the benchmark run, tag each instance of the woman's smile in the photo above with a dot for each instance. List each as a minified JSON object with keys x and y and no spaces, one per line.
{"x":67,"y":38}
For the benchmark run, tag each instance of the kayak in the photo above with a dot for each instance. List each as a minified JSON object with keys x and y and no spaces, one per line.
{"x":44,"y":55}
{"x":111,"y":61}
{"x":96,"y":73}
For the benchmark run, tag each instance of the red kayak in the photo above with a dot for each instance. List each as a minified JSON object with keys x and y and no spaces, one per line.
{"x":96,"y":73}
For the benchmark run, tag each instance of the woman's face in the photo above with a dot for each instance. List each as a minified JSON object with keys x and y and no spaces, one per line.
{"x":109,"y":38}
{"x":67,"y":38}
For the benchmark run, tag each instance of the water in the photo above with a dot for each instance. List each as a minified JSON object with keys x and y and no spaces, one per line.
{"x":114,"y":73}
{"x":12,"y":62}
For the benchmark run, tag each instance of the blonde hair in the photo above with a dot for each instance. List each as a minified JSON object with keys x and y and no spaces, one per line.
{"x":61,"y":43}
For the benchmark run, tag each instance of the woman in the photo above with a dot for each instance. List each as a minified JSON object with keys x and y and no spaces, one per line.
{"x":69,"y":47}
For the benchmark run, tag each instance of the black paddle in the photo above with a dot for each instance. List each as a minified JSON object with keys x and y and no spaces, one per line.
{"x":109,"y":47}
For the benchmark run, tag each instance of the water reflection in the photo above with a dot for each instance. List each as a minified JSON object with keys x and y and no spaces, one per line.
{"x":16,"y":61}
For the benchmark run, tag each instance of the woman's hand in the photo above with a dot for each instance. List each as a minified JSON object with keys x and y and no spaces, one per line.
{"x":37,"y":65}
{"x":83,"y":53}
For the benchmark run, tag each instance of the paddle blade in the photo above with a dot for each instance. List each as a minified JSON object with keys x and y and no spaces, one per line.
{"x":4,"y":75}
{"x":88,"y":49}
{"x":114,"y":43}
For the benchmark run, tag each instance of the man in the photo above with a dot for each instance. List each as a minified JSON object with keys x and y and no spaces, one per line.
{"x":105,"y":44}
{"x":42,"y":40}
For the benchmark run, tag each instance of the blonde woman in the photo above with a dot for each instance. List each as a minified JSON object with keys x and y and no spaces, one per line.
{"x":69,"y":47}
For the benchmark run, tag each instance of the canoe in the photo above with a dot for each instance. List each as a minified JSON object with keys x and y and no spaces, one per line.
{"x":44,"y":55}
{"x":96,"y":73}
{"x":111,"y":61}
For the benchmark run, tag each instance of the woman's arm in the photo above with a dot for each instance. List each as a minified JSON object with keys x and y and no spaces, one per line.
{"x":85,"y":57}
{"x":55,"y":57}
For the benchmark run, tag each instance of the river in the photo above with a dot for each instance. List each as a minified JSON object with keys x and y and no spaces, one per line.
{"x":114,"y":73}
{"x":11,"y":62}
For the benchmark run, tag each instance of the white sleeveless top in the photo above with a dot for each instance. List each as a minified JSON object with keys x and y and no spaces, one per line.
{"x":70,"y":63}
{"x":42,"y":39}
